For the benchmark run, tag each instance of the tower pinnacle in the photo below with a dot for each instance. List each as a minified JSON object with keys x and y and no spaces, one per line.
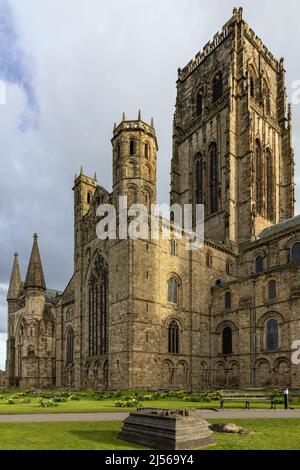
{"x":15,"y":280}
{"x":35,"y":276}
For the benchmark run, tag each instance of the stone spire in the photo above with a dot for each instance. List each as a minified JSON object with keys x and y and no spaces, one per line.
{"x":15,"y":280}
{"x":35,"y":275}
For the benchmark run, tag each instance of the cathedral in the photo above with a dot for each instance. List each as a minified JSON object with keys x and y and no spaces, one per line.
{"x":150,"y":314}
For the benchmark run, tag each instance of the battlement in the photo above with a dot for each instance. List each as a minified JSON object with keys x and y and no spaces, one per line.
{"x":258,"y":43}
{"x":85,"y":179}
{"x":134,"y":125}
{"x":219,"y":37}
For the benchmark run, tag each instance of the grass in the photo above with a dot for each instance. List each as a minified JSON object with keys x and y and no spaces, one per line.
{"x":271,"y":434}
{"x":108,"y":405}
{"x":88,"y":404}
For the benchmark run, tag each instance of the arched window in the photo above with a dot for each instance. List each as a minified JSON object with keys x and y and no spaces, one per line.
{"x":70,"y":346}
{"x":272,"y":289}
{"x":270,"y":201}
{"x":199,"y":104}
{"x":258,"y":158}
{"x":209,"y":259}
{"x":147,"y":150}
{"x":118,"y":151}
{"x":98,"y":308}
{"x":251,"y":87}
{"x":227,"y":300}
{"x":89,"y":197}
{"x":173,"y":337}
{"x":131,"y":147}
{"x":227,"y":340}
{"x":272,"y":335}
{"x":172,"y":247}
{"x":259,"y":264}
{"x":267,"y":100}
{"x":295,"y":253}
{"x":213,"y":178}
{"x":217,"y":87}
{"x":173,"y":290}
{"x":199,"y":179}
{"x":228,"y":268}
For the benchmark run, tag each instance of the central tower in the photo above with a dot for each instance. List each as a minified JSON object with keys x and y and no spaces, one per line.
{"x":232,"y":136}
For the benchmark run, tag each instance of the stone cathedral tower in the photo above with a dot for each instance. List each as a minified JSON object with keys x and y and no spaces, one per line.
{"x":134,"y":161}
{"x":232,"y":136}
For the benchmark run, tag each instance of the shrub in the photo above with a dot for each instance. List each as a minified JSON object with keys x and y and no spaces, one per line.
{"x":148,"y":397}
{"x":25,"y":400}
{"x":47,"y":403}
{"x":129,"y":403}
{"x":59,"y":399}
{"x":277,"y":396}
{"x":74,"y":397}
{"x":11,"y":401}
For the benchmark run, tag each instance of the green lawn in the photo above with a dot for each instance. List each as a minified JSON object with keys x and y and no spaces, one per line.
{"x":108,"y":405}
{"x":271,"y":434}
{"x":90,"y":405}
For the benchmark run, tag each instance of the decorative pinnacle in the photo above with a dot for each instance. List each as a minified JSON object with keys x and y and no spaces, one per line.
{"x":81,"y":170}
{"x":95,"y":176}
{"x":35,"y":236}
{"x":152,"y":122}
{"x":16,"y":255}
{"x":75,"y":176}
{"x":115,"y":126}
{"x":123,"y":117}
{"x":139,"y":115}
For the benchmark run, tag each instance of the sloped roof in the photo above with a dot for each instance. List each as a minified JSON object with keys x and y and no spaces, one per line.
{"x":276,"y":229}
{"x":35,"y":276}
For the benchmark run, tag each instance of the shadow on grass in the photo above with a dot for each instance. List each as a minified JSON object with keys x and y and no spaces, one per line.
{"x":106,"y":438}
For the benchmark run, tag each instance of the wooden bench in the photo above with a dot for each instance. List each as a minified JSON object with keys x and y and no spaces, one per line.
{"x":247,"y":399}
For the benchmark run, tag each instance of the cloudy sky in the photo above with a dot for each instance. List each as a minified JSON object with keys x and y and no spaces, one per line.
{"x":71,"y":68}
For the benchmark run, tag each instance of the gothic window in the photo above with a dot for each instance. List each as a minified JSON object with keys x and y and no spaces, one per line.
{"x":272,"y":289}
{"x":258,"y":158}
{"x":69,"y":314}
{"x":217,"y":87}
{"x":267,"y":100}
{"x":131,"y":147}
{"x":295,"y":252}
{"x":172,"y":247}
{"x":173,"y":337}
{"x":209,"y":259}
{"x":270,"y":201}
{"x":227,"y":340}
{"x":199,"y":103}
{"x":272,"y":335}
{"x":213,"y":178}
{"x":98,"y":308}
{"x":173,"y":290}
{"x":259,"y":264}
{"x":147,"y":150}
{"x":70,"y":346}
{"x":228,"y":268}
{"x":89,"y":197}
{"x":199,"y":179}
{"x":227,"y":300}
{"x":118,"y":151}
{"x":251,"y":87}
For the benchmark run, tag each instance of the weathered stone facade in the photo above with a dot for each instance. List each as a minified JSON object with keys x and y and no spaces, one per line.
{"x":150,"y":313}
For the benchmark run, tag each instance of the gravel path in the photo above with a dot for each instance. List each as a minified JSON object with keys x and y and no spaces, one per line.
{"x":206,"y":414}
